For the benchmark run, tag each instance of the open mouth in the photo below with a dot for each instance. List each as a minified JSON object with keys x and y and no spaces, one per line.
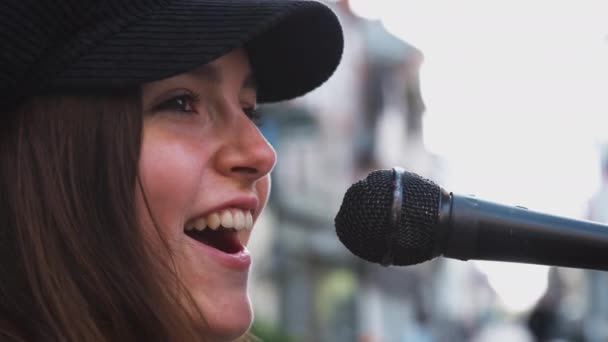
{"x":223,"y":239}
{"x":219,"y":229}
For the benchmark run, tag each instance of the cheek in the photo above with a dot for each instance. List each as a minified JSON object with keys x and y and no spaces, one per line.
{"x":170,"y":175}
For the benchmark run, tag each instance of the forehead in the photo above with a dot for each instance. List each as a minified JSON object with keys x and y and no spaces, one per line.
{"x":230,"y":69}
{"x":233,"y":66}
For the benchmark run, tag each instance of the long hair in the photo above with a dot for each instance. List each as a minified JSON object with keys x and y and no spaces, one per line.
{"x":73,"y":265}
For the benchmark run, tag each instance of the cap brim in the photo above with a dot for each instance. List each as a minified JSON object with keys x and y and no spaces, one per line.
{"x":293,"y":46}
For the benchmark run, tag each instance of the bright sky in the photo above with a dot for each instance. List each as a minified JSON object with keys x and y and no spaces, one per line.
{"x":517,"y":94}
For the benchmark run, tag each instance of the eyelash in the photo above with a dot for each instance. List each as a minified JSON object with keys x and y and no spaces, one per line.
{"x":192,"y":99}
{"x":254,"y":115}
{"x":172,"y":104}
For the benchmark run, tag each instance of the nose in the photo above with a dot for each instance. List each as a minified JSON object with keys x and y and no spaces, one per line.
{"x":245,"y":153}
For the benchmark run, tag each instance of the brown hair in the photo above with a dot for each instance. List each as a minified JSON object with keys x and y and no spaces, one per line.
{"x":72,"y":264}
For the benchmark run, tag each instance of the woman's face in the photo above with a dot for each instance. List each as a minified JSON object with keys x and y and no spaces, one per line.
{"x":204,"y":169}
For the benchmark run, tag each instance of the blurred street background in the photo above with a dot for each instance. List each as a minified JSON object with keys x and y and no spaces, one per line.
{"x":504,"y":99}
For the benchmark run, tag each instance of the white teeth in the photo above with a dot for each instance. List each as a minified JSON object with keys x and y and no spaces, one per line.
{"x":213,"y":221}
{"x":249,"y":220}
{"x":239,"y":220}
{"x":227,"y":219}
{"x":200,"y":224}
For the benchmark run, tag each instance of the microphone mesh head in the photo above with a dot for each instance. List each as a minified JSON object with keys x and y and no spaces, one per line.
{"x":363,"y":221}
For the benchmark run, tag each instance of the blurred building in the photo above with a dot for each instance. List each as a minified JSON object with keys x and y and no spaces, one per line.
{"x":308,"y":287}
{"x":307,"y":282}
{"x":595,"y":319}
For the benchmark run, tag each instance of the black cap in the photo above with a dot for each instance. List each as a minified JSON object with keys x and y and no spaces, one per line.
{"x":75,"y":45}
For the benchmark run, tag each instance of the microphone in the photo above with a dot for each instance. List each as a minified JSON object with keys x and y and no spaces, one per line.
{"x":395,"y":217}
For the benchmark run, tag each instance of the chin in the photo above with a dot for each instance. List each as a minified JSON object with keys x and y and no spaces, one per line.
{"x":230,"y":331}
{"x":229,"y":321}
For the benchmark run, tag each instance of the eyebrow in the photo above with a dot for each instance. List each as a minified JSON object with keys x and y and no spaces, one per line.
{"x":212,"y":73}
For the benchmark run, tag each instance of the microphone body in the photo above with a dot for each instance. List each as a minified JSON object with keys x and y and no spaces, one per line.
{"x":476,"y":229}
{"x":394,"y":217}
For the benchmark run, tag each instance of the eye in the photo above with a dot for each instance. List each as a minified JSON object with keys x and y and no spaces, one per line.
{"x":184,"y":103}
{"x":254,"y":115}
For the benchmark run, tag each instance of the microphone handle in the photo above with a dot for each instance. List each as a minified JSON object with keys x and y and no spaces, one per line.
{"x":471,"y":228}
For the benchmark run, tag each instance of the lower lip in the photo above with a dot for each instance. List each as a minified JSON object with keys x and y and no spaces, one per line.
{"x":236,"y":261}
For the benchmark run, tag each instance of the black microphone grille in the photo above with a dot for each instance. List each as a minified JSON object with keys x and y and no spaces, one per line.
{"x":363,"y":223}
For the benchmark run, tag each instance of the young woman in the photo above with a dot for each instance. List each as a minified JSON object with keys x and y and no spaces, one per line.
{"x":132,"y":169}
